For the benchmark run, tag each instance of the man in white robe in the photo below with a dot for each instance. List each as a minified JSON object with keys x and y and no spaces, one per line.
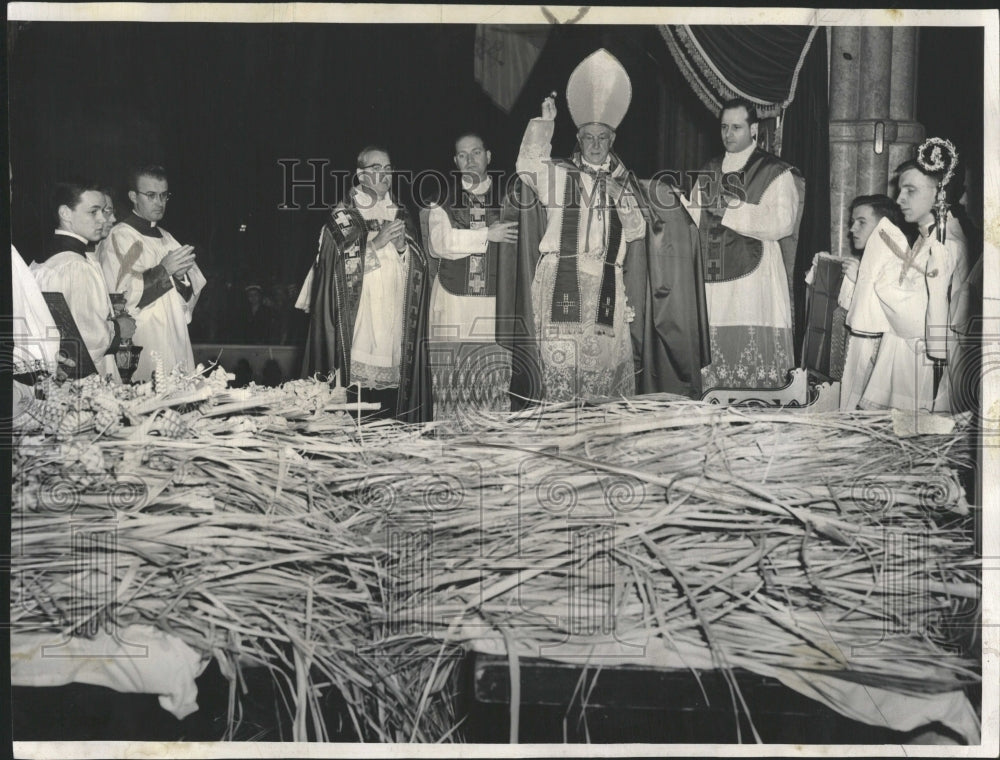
{"x":470,"y":371}
{"x":581,"y":311}
{"x":71,"y":269}
{"x":748,"y":206}
{"x":35,"y":349}
{"x":886,"y":301}
{"x":158,"y":276}
{"x":36,"y":337}
{"x":947,"y":281}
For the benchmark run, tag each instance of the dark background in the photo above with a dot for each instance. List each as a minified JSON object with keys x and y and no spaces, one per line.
{"x":220,"y":104}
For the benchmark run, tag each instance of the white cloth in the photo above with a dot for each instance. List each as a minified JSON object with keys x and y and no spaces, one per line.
{"x":865,"y":312}
{"x":160,"y":326}
{"x":866,"y":316}
{"x":378,"y":328}
{"x":36,"y":337}
{"x":865,"y":703}
{"x":137,"y":659}
{"x":80,"y":281}
{"x":859,"y":361}
{"x":455,"y":317}
{"x":846,"y":294}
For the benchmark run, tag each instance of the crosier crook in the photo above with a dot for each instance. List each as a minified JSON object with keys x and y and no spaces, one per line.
{"x":935,"y":163}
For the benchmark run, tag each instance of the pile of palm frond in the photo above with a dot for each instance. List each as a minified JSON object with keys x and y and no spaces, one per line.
{"x":365,"y":557}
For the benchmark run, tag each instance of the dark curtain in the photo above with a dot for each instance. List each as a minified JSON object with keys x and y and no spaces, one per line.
{"x":688,"y":131}
{"x":806,"y":144}
{"x":757,"y":62}
{"x":949,"y":82}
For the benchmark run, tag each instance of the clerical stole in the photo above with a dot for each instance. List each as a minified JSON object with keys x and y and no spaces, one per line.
{"x":579,"y":301}
{"x":470,"y":372}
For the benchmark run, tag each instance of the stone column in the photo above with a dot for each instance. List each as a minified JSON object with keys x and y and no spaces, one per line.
{"x":872,"y":94}
{"x":903,"y":100}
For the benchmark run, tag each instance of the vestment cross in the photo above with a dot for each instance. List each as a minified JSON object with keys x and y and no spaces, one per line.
{"x":343,"y":220}
{"x":566,"y":303}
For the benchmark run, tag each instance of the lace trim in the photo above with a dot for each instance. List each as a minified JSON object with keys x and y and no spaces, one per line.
{"x":748,"y":357}
{"x":376,"y":378}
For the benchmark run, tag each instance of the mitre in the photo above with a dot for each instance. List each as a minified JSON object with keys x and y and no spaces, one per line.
{"x":599,"y":90}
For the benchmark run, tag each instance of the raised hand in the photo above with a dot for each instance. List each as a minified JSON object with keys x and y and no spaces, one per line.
{"x":549,"y":108}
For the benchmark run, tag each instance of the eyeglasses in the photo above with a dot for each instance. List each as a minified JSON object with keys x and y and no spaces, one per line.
{"x":378,"y":168}
{"x":154,"y":196}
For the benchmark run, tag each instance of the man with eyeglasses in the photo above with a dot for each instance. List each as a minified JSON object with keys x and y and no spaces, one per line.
{"x":158,"y":275}
{"x":70,"y":268}
{"x":367,"y":297}
{"x":585,"y":299}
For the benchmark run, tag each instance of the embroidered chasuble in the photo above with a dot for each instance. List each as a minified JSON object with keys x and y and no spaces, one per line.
{"x":368,"y":306}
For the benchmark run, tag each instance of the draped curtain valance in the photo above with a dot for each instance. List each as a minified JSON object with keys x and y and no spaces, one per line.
{"x":759,"y":63}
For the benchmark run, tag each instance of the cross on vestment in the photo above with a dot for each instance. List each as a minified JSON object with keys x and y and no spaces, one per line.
{"x":604,"y":201}
{"x":608,"y":308}
{"x":566,"y":303}
{"x":343,"y":220}
{"x":714,"y":267}
{"x":478,"y":217}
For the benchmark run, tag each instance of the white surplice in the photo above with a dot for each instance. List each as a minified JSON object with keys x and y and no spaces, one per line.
{"x":78,"y":277}
{"x":455,"y":317}
{"x":378,"y":328}
{"x":750,"y":318}
{"x":36,"y":337}
{"x":160,"y":326}
{"x":890,"y":298}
